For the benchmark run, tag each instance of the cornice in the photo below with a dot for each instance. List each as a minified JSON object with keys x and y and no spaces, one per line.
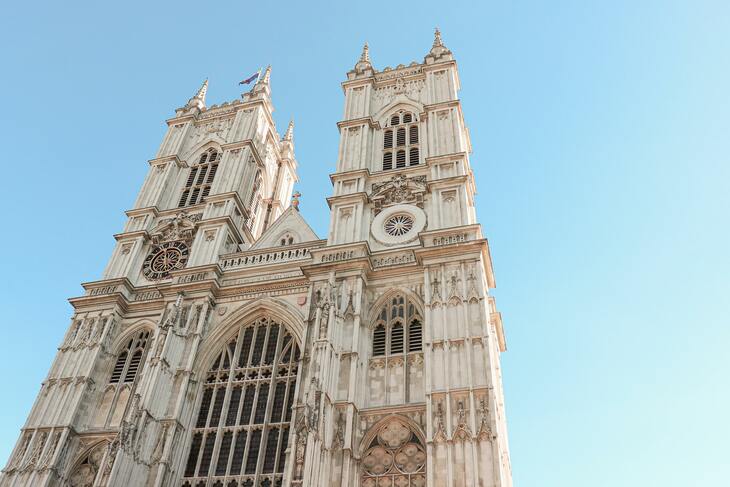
{"x":180,"y":119}
{"x":164,"y":160}
{"x":142,"y":211}
{"x":131,"y":235}
{"x":439,"y":65}
{"x":436,"y":183}
{"x":340,"y":257}
{"x":237,"y":145}
{"x":450,"y":157}
{"x":359,"y":81}
{"x":115,"y":299}
{"x":359,"y":121}
{"x":360,"y":196}
{"x":203,"y":278}
{"x":349,"y":174}
{"x":443,"y":104}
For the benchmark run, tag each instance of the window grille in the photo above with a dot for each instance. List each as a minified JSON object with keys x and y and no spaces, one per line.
{"x":388,"y":139}
{"x":242,"y":426}
{"x":200,"y":179}
{"x":404,"y":127}
{"x":387,"y":161}
{"x":379,"y":341}
{"x":390,"y":332}
{"x":129,"y":360}
{"x":415,"y":336}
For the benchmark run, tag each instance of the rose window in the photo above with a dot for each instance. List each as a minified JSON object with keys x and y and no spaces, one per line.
{"x":398,"y":225}
{"x":396,"y":458}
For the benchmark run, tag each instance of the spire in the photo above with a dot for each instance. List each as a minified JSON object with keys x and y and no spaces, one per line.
{"x":365,"y":56}
{"x":289,"y":135}
{"x":262,"y":86}
{"x":198,"y":101}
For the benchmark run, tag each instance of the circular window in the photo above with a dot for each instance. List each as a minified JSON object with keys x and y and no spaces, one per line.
{"x":164,"y":258}
{"x":398,"y":225}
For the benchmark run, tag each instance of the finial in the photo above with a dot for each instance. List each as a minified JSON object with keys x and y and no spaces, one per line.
{"x":295,"y":199}
{"x":199,"y":99}
{"x":365,"y":56}
{"x":289,"y":135}
{"x":437,"y":42}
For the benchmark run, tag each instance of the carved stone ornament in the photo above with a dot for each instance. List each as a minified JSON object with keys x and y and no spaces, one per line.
{"x":180,"y":227}
{"x":440,"y":433}
{"x":399,"y":189}
{"x":462,"y":431}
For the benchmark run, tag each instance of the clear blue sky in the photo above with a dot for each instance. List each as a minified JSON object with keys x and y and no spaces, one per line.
{"x":601,"y":151}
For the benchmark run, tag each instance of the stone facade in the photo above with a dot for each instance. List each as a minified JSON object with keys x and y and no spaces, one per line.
{"x":228,"y":346}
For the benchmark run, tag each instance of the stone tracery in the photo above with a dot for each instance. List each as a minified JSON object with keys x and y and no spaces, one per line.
{"x":395,"y":457}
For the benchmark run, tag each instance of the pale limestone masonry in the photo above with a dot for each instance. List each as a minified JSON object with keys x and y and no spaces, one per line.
{"x":228,"y":346}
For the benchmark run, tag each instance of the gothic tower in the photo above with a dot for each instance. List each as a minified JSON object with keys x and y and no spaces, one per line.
{"x":228,"y":346}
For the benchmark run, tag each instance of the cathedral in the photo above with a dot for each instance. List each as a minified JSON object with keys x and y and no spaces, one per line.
{"x":227,"y":345}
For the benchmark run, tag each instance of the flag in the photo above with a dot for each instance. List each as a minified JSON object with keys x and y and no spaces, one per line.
{"x":249,"y":80}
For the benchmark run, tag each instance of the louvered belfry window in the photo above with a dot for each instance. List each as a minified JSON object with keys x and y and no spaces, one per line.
{"x":129,"y":360}
{"x":398,"y":328}
{"x":401,"y":142}
{"x":241,"y":431}
{"x":200,"y":179}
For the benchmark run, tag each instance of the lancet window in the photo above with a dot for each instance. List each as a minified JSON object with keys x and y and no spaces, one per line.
{"x":130,"y":359}
{"x":127,"y":369}
{"x":241,"y":429}
{"x":200,"y":179}
{"x":401,"y":142}
{"x":398,"y":329}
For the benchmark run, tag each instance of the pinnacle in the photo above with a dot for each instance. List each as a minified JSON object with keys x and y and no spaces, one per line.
{"x":289,"y":135}
{"x":437,"y":42}
{"x":365,"y":56}
{"x":203,"y":90}
{"x":199,"y":99}
{"x":267,"y":75}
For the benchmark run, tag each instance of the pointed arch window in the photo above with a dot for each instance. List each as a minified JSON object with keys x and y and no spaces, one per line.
{"x":398,"y":328}
{"x":401,"y":142}
{"x":122,"y":381}
{"x":241,"y":430}
{"x":200,"y":179}
{"x":129,"y":360}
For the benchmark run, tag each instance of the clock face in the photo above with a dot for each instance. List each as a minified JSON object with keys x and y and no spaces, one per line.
{"x":164,"y":258}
